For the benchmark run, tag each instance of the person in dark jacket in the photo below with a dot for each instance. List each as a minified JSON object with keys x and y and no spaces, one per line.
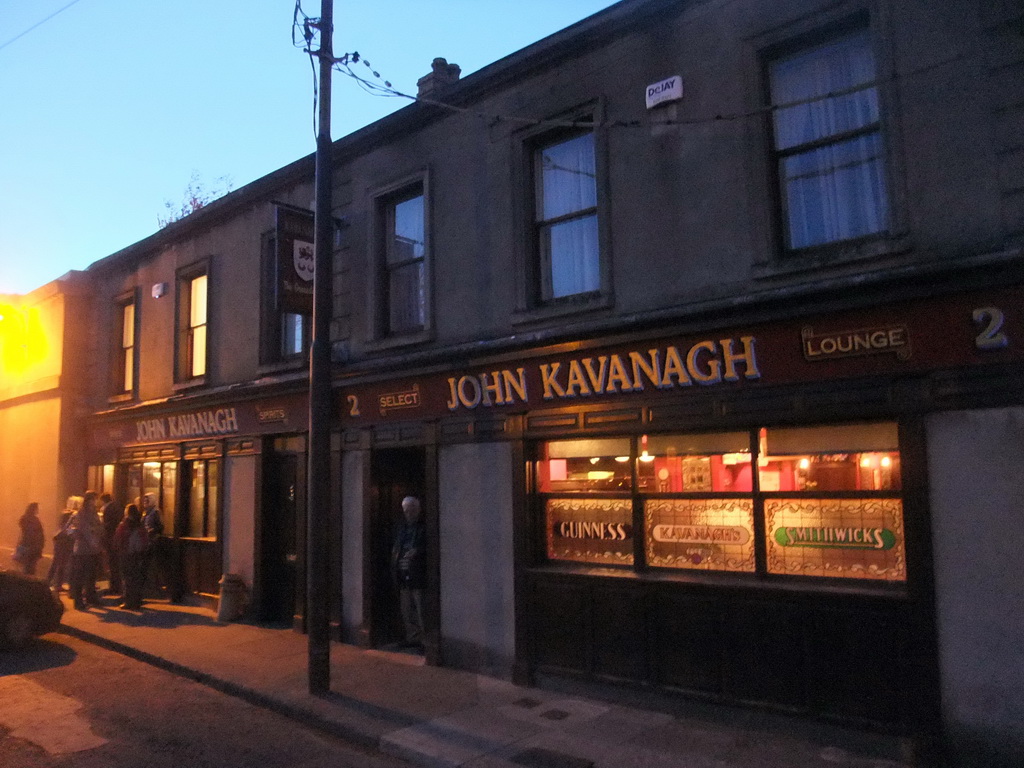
{"x":30,"y":542}
{"x":131,"y":543}
{"x":158,"y":556}
{"x":110,"y":515}
{"x":63,"y":544}
{"x":409,"y":569}
{"x":87,"y":535}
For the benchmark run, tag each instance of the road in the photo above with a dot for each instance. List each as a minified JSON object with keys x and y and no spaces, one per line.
{"x":67,"y":704}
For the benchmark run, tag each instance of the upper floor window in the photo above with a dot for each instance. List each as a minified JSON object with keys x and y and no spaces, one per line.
{"x":403,"y":271}
{"x":296,"y":334}
{"x":829,"y":151}
{"x":193,"y":289}
{"x":565,"y":217}
{"x":125,"y":349}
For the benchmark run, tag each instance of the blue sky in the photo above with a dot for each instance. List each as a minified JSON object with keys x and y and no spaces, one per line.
{"x":109,"y":108}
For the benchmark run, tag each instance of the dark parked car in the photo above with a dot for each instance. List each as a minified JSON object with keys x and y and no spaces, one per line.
{"x":27,"y":609}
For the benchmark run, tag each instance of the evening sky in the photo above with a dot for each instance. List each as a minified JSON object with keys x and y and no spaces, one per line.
{"x":111,"y":107}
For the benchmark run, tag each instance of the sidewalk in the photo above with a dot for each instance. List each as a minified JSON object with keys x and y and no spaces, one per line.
{"x":441,"y":717}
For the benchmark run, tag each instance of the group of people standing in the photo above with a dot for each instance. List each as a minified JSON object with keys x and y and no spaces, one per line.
{"x":95,"y":533}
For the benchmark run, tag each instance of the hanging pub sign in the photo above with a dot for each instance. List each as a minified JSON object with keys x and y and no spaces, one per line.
{"x":294,"y":260}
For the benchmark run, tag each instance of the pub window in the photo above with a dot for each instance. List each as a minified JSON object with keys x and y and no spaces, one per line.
{"x":402,"y":272}
{"x":832,"y":503}
{"x":565,"y":217}
{"x":826,"y":501}
{"x":703,"y":518}
{"x":296,"y":332}
{"x":101,"y":478}
{"x":159,"y":478}
{"x":204,"y":498}
{"x":587,"y":510}
{"x":828,"y":149}
{"x":193,"y":294}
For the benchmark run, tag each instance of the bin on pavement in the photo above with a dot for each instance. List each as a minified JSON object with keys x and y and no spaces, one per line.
{"x":233,"y":597}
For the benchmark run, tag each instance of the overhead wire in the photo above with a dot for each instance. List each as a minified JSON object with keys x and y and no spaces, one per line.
{"x":309,"y":24}
{"x":342,"y":64}
{"x":37,"y":25}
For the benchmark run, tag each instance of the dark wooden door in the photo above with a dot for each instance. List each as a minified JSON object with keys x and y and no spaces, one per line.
{"x":283,"y":497}
{"x":396,"y":473}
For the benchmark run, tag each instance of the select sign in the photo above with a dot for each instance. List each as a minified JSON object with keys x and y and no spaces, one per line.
{"x":666,"y":90}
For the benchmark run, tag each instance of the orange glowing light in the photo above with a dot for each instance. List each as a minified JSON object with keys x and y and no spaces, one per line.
{"x":23,"y":342}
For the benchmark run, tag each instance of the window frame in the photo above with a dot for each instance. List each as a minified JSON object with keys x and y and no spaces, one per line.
{"x":531,"y":305}
{"x":166,"y":490}
{"x":767,"y":211}
{"x":211,"y":513}
{"x":544,"y":266}
{"x":184,"y":341}
{"x":758,"y":498}
{"x":119,"y":352}
{"x":850,"y":29}
{"x":383,"y":201}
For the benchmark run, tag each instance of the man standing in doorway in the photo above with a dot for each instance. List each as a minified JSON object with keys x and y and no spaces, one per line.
{"x":409,"y":569}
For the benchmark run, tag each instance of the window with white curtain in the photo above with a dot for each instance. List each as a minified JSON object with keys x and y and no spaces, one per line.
{"x":565,"y":179}
{"x":828,"y":148}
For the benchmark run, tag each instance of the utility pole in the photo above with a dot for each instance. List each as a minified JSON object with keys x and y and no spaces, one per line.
{"x":318,"y":498}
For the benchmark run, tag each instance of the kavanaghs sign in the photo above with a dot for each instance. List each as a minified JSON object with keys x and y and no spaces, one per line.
{"x":704,"y":363}
{"x":222,"y":421}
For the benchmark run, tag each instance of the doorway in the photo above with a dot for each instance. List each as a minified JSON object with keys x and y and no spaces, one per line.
{"x":283,"y":509}
{"x":395,"y":474}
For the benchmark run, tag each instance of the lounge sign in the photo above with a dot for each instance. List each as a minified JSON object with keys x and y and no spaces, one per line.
{"x":866,"y":341}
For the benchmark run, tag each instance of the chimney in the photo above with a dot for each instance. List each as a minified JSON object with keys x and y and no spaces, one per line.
{"x":441,"y":75}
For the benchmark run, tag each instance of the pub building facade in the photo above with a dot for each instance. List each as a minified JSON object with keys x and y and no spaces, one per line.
{"x":738,"y":513}
{"x":203,"y":328}
{"x":695,"y":327}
